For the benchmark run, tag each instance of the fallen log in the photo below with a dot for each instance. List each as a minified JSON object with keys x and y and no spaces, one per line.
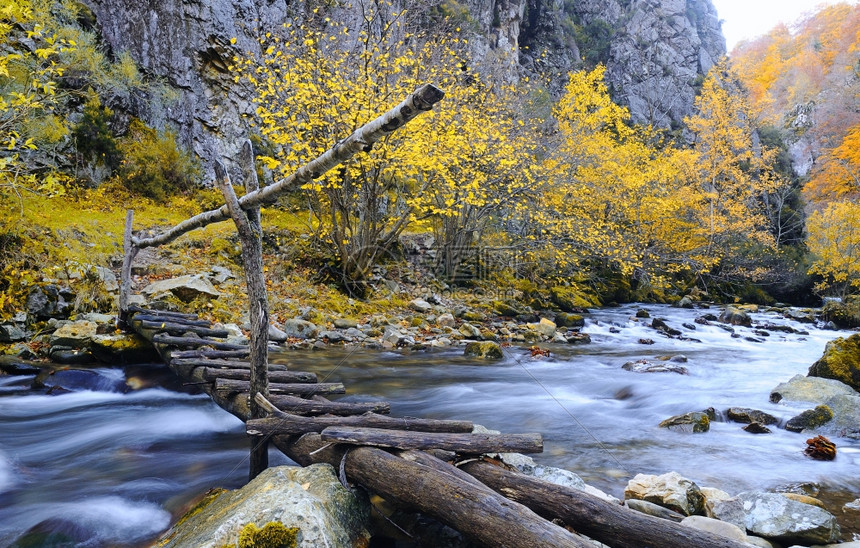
{"x":161,"y":313}
{"x":482,"y":516}
{"x":170,"y":340}
{"x":181,"y":321}
{"x":469,"y":444}
{"x":299,"y":406}
{"x":231,"y":385}
{"x":287,"y":424}
{"x":275,"y":375}
{"x":209,"y":354}
{"x":224,"y":364}
{"x":179,"y":329}
{"x":611,"y":524}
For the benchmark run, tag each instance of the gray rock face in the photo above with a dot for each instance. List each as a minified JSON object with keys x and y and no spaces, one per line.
{"x":779,"y":518}
{"x":811,"y":389}
{"x":670,"y":490}
{"x":311,"y":499}
{"x":654,"y":50}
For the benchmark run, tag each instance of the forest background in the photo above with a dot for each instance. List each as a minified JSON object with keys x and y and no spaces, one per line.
{"x":551,"y":194}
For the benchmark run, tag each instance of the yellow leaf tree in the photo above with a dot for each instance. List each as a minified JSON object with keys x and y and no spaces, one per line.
{"x":834,"y":243}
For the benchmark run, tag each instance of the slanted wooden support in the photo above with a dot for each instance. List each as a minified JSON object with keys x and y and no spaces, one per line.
{"x":468,"y":444}
{"x":482,"y":516}
{"x":287,"y":424}
{"x":612,"y":524}
{"x":362,"y":139}
{"x":302,"y":389}
{"x":129,"y":251}
{"x":319,"y":406}
{"x":251,"y":238}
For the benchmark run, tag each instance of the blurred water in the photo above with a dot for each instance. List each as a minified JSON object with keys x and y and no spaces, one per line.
{"x":106,"y":466}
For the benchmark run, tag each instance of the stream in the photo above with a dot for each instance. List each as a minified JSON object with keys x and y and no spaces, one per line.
{"x":104,"y":465}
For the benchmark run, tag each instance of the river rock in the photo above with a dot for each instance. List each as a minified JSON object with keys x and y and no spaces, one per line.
{"x":276,"y":334}
{"x":756,"y":428}
{"x":470,"y":331}
{"x":566,"y":319}
{"x":48,"y":302}
{"x":123,"y":349}
{"x":711,"y":525}
{"x":735,"y":316}
{"x":810,"y":389}
{"x":841,"y":361}
{"x":420,"y":305}
{"x":300,"y":329}
{"x":74,"y":334}
{"x":185,"y":288}
{"x":576,"y":338}
{"x":485,"y":349}
{"x":775,"y":517}
{"x":446,"y":320}
{"x":644,"y":366}
{"x":695,"y":423}
{"x":724,"y":507}
{"x":345,"y":323}
{"x":651,"y":509}
{"x":309,"y":498}
{"x":810,"y":419}
{"x":747,"y":416}
{"x":671,"y":491}
{"x":9,"y":333}
{"x":846,"y":417}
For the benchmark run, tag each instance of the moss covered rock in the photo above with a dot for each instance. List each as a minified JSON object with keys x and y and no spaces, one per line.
{"x":568,"y":299}
{"x":485,"y":349}
{"x":810,"y":419}
{"x":841,"y":362}
{"x":688,"y":423}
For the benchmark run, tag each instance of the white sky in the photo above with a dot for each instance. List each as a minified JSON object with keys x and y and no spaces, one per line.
{"x":745,"y":19}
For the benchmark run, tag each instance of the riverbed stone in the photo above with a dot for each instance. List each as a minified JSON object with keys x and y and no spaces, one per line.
{"x":724,"y":507}
{"x":778,"y":518}
{"x":671,"y":490}
{"x":311,"y":499}
{"x":75,"y":334}
{"x":566,"y":319}
{"x":644,"y":366}
{"x":9,"y":332}
{"x":810,"y":419}
{"x":276,"y":334}
{"x":446,"y":320}
{"x":841,"y":361}
{"x":470,"y":331}
{"x":345,"y":323}
{"x":735,"y":316}
{"x":711,"y":525}
{"x":810,"y":389}
{"x":185,"y":288}
{"x":300,"y":329}
{"x":747,"y":416}
{"x":846,"y":417}
{"x":420,"y":305}
{"x":695,"y":423}
{"x":487,"y":350}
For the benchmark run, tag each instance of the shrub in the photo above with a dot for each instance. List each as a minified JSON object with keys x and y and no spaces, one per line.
{"x":153,"y":164}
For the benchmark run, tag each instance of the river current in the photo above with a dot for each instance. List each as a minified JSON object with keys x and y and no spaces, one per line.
{"x":109,"y":466}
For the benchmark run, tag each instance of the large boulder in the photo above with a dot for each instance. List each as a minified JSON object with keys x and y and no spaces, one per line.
{"x":310,"y":499}
{"x":841,"y":361}
{"x":300,"y":329}
{"x":810,"y":389}
{"x":487,"y":350}
{"x":185,"y":288}
{"x":846,"y":417}
{"x":123,"y":349}
{"x":736,"y":316}
{"x":74,"y":334}
{"x":670,"y":490}
{"x":775,"y":517}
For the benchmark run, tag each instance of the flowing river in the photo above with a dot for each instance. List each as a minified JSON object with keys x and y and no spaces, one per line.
{"x":108,"y":466}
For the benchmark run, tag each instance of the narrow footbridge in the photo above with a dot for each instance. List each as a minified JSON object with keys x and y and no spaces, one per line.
{"x":438,"y":467}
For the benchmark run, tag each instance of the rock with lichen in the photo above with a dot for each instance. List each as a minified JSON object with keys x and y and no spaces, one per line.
{"x":841,"y":361}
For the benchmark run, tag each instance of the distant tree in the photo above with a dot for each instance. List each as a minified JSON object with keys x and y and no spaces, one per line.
{"x":834,"y":243}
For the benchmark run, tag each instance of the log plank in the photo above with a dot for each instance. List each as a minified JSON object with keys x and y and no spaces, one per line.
{"x":299,"y":406}
{"x":469,"y":444}
{"x":275,"y":375}
{"x":231,"y":385}
{"x":295,"y":424}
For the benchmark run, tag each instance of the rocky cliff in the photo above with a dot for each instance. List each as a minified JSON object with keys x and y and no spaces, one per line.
{"x":655,"y":52}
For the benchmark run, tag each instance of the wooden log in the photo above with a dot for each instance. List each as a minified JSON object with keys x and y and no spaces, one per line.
{"x":170,"y":340}
{"x":299,"y":406}
{"x":211,"y":373}
{"x":482,"y":516}
{"x":230,"y":385}
{"x":209,"y":354}
{"x":174,"y":320}
{"x":469,"y":444}
{"x":227,"y":364}
{"x":162,"y":313}
{"x":419,"y":101}
{"x":128,"y":255}
{"x":179,"y":329}
{"x":287,"y":424}
{"x":612,"y":524}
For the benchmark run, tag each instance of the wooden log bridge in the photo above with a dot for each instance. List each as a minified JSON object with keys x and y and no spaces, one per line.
{"x":407,"y":461}
{"x":410,"y":461}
